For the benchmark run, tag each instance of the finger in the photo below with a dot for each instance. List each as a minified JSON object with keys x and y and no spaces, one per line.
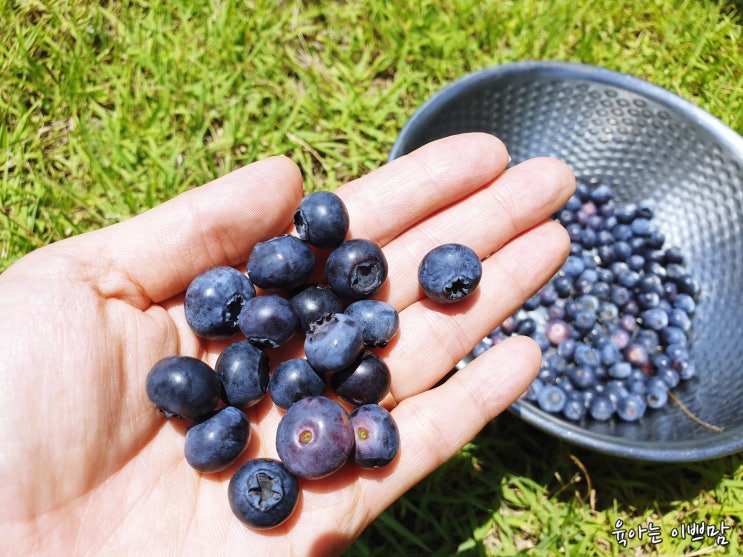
{"x":434,"y":337}
{"x":520,"y":198}
{"x":155,"y":255}
{"x":435,"y":424}
{"x":394,"y":197}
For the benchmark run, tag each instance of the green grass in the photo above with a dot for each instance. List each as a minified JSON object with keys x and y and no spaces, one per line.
{"x":108,"y":110}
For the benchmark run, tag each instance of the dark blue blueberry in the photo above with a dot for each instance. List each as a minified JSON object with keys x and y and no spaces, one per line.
{"x":674,"y":254}
{"x":607,"y":312}
{"x":586,"y":355}
{"x":533,"y":390}
{"x":377,"y":439}
{"x":556,"y":363}
{"x":669,"y":376}
{"x":263,"y":493}
{"x":584,"y":320}
{"x":333,"y":343}
{"x":619,"y":295}
{"x":609,"y":353}
{"x":688,"y":285}
{"x":551,"y":398}
{"x":547,"y":295}
{"x":636,"y":262}
{"x":510,"y":324}
{"x":566,"y":348}
{"x":574,"y":230}
{"x":649,"y":282}
{"x":313,"y":302}
{"x":622,"y":232}
{"x":628,"y":278}
{"x":647,"y":300}
{"x":630,"y":407}
{"x":268,"y":321}
{"x":356,"y":269}
{"x":527,"y":326}
{"x":656,"y":239}
{"x":686,"y":369}
{"x":281,"y":263}
{"x":646,"y":208}
{"x":214,"y":300}
{"x":379,"y":321}
{"x":532,"y":303}
{"x":601,"y":407}
{"x":244,"y":371}
{"x":295,"y":379}
{"x":183,"y":386}
{"x":215,"y":442}
{"x":322,"y":219}
{"x":601,"y":194}
{"x":449,"y":273}
{"x":641,"y":226}
{"x":563,"y":286}
{"x":541,"y":339}
{"x":366,"y":381}
{"x":314,"y":438}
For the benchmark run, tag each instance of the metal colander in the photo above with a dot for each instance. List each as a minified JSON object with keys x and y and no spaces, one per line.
{"x":647,"y":143}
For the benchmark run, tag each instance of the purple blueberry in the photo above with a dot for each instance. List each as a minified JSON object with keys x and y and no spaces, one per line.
{"x":217,"y":441}
{"x":214,"y":300}
{"x":377,"y":439}
{"x":322,"y":219}
{"x":314,"y":438}
{"x":449,"y":273}
{"x":263,"y":493}
{"x":183,"y":386}
{"x":281,"y":263}
{"x":333,"y":343}
{"x":268,"y":321}
{"x":295,"y":379}
{"x":244,"y":371}
{"x":356,"y":269}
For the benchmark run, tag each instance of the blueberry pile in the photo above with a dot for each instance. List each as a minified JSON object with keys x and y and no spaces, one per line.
{"x":341,"y":325}
{"x":614,"y":323}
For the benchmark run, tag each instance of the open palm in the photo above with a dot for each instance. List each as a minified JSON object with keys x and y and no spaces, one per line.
{"x":88,"y":466}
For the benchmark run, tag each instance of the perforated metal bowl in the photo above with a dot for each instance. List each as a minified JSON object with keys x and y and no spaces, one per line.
{"x":647,"y":143}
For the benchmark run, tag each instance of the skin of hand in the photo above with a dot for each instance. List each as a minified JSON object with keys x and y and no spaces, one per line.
{"x":88,"y":466}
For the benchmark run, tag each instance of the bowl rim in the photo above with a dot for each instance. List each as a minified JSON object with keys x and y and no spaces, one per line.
{"x":717,"y":445}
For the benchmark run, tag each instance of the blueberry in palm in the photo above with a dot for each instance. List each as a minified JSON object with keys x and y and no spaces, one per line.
{"x":449,"y":273}
{"x":378,"y":320}
{"x":214,"y":300}
{"x":268,"y":321}
{"x":333,"y":343}
{"x":356,"y":269}
{"x":282,"y":263}
{"x":295,"y":379}
{"x":214,"y":443}
{"x":313,"y":302}
{"x":263,"y":493}
{"x":183,"y":386}
{"x":244,"y":371}
{"x":366,"y":381}
{"x":322,"y":219}
{"x":314,"y":438}
{"x":377,"y":439}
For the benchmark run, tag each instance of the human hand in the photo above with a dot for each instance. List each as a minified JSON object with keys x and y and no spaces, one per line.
{"x":87,"y":465}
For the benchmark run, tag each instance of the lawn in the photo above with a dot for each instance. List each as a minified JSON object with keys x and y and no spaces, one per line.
{"x":107,"y":110}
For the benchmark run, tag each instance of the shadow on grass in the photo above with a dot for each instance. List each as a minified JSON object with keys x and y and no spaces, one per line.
{"x":441,"y":515}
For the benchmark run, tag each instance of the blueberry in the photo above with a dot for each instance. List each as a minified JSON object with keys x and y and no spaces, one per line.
{"x":244,"y":371}
{"x":551,"y":398}
{"x":367,"y":381}
{"x":322,"y":219}
{"x":655,"y":319}
{"x":183,"y":386}
{"x":630,"y":407}
{"x":575,"y":407}
{"x":281,"y":263}
{"x":333,"y":343}
{"x":263,"y":493}
{"x":656,"y":396}
{"x":215,"y":442}
{"x":377,"y":439}
{"x":268,"y":321}
{"x":356,"y":269}
{"x":214,"y":300}
{"x":582,"y":377}
{"x":314,"y":438}
{"x":601,"y":407}
{"x":313,"y":302}
{"x":449,"y":273}
{"x":293,"y":380}
{"x":378,"y":321}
